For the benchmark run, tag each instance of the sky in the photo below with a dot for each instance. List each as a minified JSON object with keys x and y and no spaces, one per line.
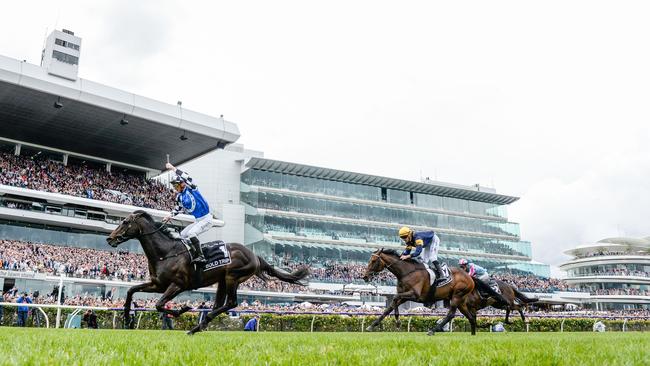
{"x":548,"y":101}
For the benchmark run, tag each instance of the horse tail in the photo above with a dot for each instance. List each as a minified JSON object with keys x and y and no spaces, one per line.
{"x":523,"y":298}
{"x":296,"y":277}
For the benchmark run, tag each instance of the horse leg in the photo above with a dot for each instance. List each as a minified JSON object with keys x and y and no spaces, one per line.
{"x":398,"y":324}
{"x":230,"y":303}
{"x":507,"y":315}
{"x":396,"y":301}
{"x":168,"y":295}
{"x":521,"y":312}
{"x":219,"y":300}
{"x":143,"y":287}
{"x":439,"y":327}
{"x":470,"y":317}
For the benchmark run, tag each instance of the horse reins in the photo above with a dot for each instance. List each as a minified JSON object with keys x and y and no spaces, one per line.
{"x":164,"y":225}
{"x":389,"y":265}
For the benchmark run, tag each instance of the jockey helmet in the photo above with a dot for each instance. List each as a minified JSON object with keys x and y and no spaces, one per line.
{"x":405,"y":232}
{"x":462,"y":262}
{"x":176,"y":180}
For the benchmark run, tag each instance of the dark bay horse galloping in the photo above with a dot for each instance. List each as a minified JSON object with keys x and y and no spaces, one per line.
{"x":171,"y":272}
{"x":413,"y":285}
{"x":515,"y":301}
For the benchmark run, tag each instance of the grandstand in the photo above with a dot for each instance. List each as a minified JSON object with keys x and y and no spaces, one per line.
{"x":614,"y":271}
{"x":76,"y":157}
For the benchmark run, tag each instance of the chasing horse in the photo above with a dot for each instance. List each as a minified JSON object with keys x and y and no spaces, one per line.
{"x":172,"y":271}
{"x":413,"y":284}
{"x":510,"y":299}
{"x":514,"y":301}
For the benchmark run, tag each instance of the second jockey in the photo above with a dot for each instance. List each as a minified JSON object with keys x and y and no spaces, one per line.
{"x":477,"y":272}
{"x":189,"y":200}
{"x":425,"y":243}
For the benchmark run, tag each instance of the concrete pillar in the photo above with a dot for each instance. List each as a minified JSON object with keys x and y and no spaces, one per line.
{"x":65,"y":159}
{"x":108,"y":167}
{"x":17,"y":149}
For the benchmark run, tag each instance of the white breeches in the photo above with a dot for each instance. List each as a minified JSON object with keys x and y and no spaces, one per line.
{"x":485,"y":278}
{"x":430,"y":254}
{"x":198,"y":227}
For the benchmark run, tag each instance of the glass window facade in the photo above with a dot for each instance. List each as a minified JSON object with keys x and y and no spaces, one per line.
{"x":397,"y":215}
{"x":339,"y":227}
{"x":64,"y":57}
{"x":623,"y":269}
{"x":253,"y":177}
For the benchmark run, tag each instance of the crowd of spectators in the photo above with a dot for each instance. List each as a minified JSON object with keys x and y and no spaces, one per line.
{"x":533,"y":283}
{"x":72,"y":262}
{"x":600,"y":253}
{"x":621,"y":291}
{"x":83,"y":180}
{"x":615,"y":272}
{"x":127,"y":266}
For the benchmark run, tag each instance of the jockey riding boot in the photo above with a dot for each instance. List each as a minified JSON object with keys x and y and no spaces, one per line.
{"x":199,"y":258}
{"x":437,"y":270}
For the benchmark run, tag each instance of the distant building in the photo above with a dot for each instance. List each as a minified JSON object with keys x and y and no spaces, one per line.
{"x":315,"y":214}
{"x":615,"y":271}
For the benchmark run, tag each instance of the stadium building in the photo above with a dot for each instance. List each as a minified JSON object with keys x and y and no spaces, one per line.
{"x":72,"y":134}
{"x":615,"y":272}
{"x":315,"y":214}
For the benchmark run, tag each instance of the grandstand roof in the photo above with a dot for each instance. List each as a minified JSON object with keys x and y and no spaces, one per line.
{"x":438,"y":188}
{"x":89,"y":121}
{"x":613,"y":244}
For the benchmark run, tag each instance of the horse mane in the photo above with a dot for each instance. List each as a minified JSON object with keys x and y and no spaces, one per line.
{"x":392,"y":252}
{"x":144,"y":214}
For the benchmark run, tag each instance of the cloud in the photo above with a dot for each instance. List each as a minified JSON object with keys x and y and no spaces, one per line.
{"x":610,"y":199}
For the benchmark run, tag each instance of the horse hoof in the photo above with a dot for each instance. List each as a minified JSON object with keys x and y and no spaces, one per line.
{"x":431,"y":332}
{"x":398,"y":325}
{"x":370,"y":328}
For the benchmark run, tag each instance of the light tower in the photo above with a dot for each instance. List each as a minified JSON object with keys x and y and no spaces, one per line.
{"x":60,"y":55}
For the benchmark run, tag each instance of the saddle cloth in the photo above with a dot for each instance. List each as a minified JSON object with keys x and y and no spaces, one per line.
{"x":446,"y":275}
{"x":216,"y":254}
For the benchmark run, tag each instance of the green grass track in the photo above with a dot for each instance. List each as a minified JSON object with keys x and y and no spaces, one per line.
{"x":147,"y":347}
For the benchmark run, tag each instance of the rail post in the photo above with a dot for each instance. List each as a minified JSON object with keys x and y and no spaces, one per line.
{"x":562,"y":325}
{"x":58,"y":301}
{"x":408,"y":325}
{"x":363,"y":323}
{"x":114,"y":318}
{"x":47,"y":320}
{"x":624,"y":324}
{"x":313,"y":319}
{"x":527,"y":327}
{"x":137,"y":326}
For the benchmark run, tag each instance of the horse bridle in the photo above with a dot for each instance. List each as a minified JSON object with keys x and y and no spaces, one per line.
{"x":162,"y":226}
{"x":386,"y":266}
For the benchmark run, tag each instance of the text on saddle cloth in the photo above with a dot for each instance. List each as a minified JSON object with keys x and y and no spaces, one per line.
{"x":216,"y":254}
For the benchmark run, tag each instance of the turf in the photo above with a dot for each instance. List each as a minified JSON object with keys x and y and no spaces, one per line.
{"x":120,"y":347}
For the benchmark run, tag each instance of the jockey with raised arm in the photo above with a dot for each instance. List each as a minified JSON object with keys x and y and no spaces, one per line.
{"x":189,"y":200}
{"x":425,"y":243}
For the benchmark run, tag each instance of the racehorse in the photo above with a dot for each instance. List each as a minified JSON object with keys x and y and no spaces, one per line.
{"x":413,"y":285}
{"x":475,"y":301}
{"x":171,"y":272}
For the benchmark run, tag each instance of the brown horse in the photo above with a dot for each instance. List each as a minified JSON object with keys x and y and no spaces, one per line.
{"x":514,"y":300}
{"x":171,"y":272}
{"x":413,"y":285}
